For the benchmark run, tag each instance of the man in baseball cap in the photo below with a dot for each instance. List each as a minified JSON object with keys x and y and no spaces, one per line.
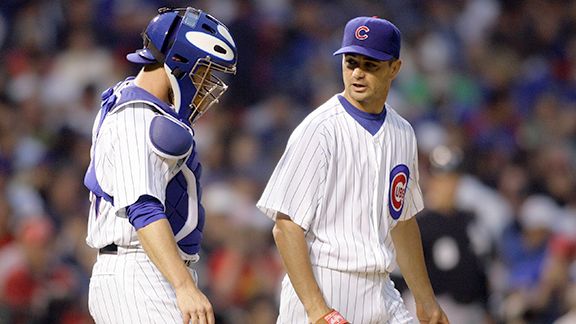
{"x":335,"y":263}
{"x":374,"y":37}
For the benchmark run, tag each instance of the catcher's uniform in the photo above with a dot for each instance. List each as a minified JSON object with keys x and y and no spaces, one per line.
{"x":131,"y":158}
{"x":347,"y":183}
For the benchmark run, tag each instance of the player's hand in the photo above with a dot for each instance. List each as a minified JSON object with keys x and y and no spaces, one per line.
{"x":194,"y":305}
{"x":333,"y":317}
{"x":431,"y":313}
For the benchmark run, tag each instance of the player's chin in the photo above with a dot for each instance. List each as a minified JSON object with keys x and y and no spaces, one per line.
{"x":360,"y":96}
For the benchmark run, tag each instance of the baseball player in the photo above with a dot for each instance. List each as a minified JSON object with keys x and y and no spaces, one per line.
{"x":146,"y":217}
{"x":344,"y":195}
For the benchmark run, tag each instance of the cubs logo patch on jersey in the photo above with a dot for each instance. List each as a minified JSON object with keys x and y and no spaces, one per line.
{"x":398,"y":185}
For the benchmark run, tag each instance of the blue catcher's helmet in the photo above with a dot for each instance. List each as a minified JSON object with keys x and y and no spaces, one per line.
{"x":192,"y":45}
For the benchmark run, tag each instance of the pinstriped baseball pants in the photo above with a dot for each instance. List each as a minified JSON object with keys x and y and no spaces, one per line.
{"x":362,"y":298}
{"x":128,"y":288}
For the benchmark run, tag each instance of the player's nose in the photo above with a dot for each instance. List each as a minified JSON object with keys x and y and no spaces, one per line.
{"x":358,"y":73}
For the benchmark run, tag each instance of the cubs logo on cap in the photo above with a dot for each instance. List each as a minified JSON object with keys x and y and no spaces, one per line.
{"x":398,"y":185}
{"x":374,"y":37}
{"x":362,"y":32}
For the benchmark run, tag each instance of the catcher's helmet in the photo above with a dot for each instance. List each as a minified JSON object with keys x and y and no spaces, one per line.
{"x":192,"y":45}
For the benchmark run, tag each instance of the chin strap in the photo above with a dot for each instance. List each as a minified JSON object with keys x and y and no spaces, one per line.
{"x":161,"y":58}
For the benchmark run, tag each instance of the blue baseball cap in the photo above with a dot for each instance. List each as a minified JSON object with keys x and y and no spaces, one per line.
{"x":141,"y":56}
{"x":159,"y":32}
{"x":374,"y":37}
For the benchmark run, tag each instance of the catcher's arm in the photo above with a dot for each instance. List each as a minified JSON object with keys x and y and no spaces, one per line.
{"x":158,"y":242}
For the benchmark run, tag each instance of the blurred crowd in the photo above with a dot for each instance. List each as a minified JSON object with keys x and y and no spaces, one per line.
{"x":489,"y":86}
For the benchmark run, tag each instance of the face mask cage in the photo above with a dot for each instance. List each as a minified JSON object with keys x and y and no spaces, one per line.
{"x":209,"y":87}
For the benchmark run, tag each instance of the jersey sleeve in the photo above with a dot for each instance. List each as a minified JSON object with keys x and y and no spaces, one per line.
{"x":296,"y":184}
{"x":138,"y":171}
{"x":413,"y":201}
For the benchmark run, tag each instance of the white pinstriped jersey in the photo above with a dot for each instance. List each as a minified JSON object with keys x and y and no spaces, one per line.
{"x":346,"y":187}
{"x":126,"y":167}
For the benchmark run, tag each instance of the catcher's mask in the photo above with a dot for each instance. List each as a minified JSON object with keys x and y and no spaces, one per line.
{"x":192,"y":45}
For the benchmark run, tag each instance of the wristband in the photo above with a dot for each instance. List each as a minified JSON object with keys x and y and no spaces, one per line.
{"x":334,"y":317}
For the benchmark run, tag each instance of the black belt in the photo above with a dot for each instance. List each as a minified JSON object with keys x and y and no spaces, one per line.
{"x":109,"y":249}
{"x":113,"y":249}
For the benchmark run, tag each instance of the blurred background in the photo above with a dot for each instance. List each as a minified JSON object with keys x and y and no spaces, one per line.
{"x":489,"y":86}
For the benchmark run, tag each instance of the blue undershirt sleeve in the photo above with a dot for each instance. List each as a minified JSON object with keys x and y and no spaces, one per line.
{"x":144,"y":211}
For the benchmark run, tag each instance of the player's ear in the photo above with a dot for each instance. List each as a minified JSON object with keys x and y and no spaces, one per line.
{"x":395,"y":67}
